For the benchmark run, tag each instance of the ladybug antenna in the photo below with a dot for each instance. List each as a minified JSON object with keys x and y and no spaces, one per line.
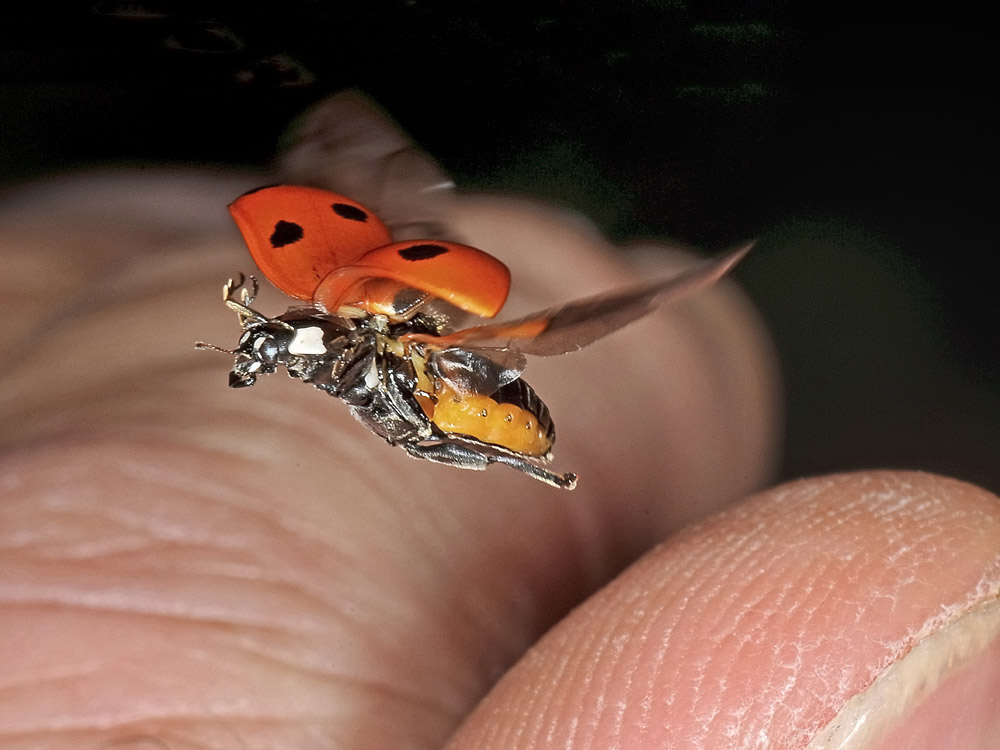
{"x":212,"y":347}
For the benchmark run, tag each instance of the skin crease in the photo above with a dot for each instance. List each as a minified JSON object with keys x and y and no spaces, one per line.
{"x":187,"y":566}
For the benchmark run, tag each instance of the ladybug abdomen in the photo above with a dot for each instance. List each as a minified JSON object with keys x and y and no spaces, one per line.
{"x":513,"y":418}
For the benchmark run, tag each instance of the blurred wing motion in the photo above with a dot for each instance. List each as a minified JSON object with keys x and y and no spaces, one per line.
{"x":350,"y":145}
{"x":573,"y":326}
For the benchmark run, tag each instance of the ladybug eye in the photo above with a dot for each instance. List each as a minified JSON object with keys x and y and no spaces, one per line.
{"x":267,"y":350}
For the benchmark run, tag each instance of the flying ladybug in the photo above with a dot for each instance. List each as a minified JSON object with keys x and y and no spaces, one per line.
{"x":376,"y":329}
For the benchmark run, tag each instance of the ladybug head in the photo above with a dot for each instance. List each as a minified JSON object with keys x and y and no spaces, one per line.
{"x":261,"y":349}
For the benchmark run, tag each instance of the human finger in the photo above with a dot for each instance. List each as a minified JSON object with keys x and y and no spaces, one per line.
{"x":258,"y":556}
{"x":855,"y":610}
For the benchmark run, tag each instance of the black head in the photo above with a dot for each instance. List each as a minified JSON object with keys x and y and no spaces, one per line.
{"x":261,"y":349}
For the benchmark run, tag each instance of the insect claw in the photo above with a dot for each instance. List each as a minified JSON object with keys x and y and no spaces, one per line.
{"x":246,"y":295}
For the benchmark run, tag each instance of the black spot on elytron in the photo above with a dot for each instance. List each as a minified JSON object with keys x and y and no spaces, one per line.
{"x":347,"y":211}
{"x":422,"y":252}
{"x":286,"y":233}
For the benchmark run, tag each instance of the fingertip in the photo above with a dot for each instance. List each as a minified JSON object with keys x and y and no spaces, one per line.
{"x":763,"y":622}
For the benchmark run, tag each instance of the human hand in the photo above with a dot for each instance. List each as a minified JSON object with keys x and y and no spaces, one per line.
{"x":189,"y":566}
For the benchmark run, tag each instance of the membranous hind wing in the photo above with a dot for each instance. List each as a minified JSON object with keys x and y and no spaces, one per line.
{"x":575,"y":325}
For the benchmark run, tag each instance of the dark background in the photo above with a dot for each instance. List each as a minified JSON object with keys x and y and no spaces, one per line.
{"x":858,"y":150}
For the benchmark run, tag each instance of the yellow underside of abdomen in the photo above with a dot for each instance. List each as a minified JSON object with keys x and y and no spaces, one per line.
{"x":484,"y":419}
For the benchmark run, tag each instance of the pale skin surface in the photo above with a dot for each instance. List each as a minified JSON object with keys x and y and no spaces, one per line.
{"x":186,"y":566}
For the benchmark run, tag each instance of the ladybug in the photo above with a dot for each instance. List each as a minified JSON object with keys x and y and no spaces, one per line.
{"x":375,"y":330}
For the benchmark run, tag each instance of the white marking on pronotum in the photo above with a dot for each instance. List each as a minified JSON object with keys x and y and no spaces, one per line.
{"x":307,"y":341}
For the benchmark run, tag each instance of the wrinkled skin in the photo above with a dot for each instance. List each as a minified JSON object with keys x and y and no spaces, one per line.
{"x":188,"y":566}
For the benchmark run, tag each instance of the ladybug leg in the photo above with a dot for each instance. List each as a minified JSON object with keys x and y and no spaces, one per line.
{"x":565,"y":481}
{"x":465,"y":457}
{"x":241,"y":306}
